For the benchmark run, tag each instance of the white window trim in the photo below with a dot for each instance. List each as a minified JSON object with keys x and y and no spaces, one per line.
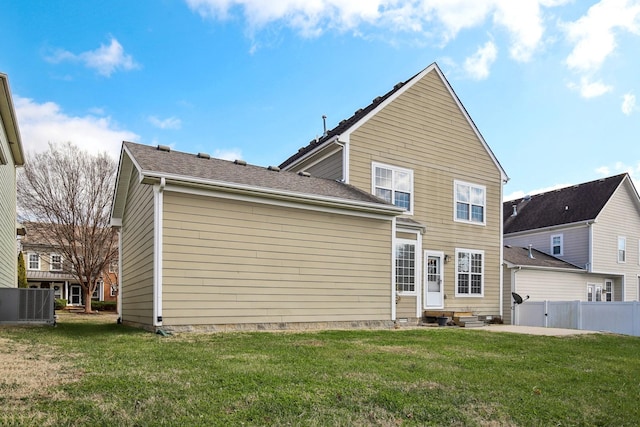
{"x":561,"y":244}
{"x":484,"y":261}
{"x":624,"y":239}
{"x":416,"y":271}
{"x":591,"y":287}
{"x":29,"y":261}
{"x":51,"y":255}
{"x":455,"y":203}
{"x":604,"y":290}
{"x":394,"y":169}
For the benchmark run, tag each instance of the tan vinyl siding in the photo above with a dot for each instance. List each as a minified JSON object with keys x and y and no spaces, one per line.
{"x":8,"y":253}
{"x":619,"y":218}
{"x":406,"y":307}
{"x":330,"y":168}
{"x":424,"y":130}
{"x":575,"y":242}
{"x":137,"y":255}
{"x":230,"y":262}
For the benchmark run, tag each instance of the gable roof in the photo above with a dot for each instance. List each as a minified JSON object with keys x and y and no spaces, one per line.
{"x":8,"y":118}
{"x":156,"y":163}
{"x":519,"y":257}
{"x":342,"y":131}
{"x":577,"y":203}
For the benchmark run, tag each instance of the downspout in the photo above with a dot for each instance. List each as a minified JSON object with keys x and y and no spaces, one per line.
{"x":419,"y":275}
{"x":501,"y":275}
{"x":590,"y":260}
{"x":158,"y":191}
{"x":119,"y":275}
{"x":393,"y":269}
{"x":345,"y":158}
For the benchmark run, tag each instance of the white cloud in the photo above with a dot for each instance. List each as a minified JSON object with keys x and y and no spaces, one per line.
{"x":477,"y":65}
{"x":105,"y":59}
{"x":168,"y":123}
{"x":43,"y":123}
{"x":589,"y":89}
{"x":518,"y":194}
{"x":228,"y":154}
{"x":628,"y":103}
{"x":594,"y":34}
{"x":621,"y":167}
{"x":441,"y":20}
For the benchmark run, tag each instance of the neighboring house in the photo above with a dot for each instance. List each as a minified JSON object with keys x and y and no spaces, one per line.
{"x":395,"y":211}
{"x":48,"y":269}
{"x":11,"y":157}
{"x":594,"y":227}
{"x":417,"y":148}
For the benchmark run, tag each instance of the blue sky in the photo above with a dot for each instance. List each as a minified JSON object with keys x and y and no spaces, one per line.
{"x":551,"y":84}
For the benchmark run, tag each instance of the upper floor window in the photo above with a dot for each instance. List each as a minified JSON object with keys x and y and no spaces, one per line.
{"x":470,"y":202}
{"x":469,"y":272}
{"x":406,"y":266}
{"x":393,"y":184}
{"x":34,"y":262}
{"x":113,"y":267}
{"x":622,"y":249}
{"x":556,"y":245}
{"x":55,"y":262}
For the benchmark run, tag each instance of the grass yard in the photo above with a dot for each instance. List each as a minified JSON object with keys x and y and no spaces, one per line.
{"x":95,"y":373}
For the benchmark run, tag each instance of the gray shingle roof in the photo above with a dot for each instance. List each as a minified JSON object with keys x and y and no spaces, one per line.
{"x":520,"y":256}
{"x":190,"y":166}
{"x":582,"y":202}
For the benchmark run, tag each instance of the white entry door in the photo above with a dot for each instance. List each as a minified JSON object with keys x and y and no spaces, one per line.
{"x":433,"y":280}
{"x":75,"y":295}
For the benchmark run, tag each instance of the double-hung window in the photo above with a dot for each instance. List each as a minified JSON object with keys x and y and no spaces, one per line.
{"x":556,"y":245}
{"x":55,"y":262}
{"x":393,"y":184}
{"x":469,"y":272}
{"x":608,"y":291}
{"x":405,"y":266}
{"x":34,"y":262}
{"x":470,"y":202}
{"x":622,"y":249}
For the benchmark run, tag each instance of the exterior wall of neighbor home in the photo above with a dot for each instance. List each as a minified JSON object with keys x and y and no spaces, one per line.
{"x":619,"y":218}
{"x":137,"y":254}
{"x":575,"y":243}
{"x":330,"y":168}
{"x":551,"y":285}
{"x":240,"y":262}
{"x":425,"y":131}
{"x":8,"y":254}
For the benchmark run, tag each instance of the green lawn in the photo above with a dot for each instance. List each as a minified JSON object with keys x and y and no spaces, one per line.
{"x":97,"y":373}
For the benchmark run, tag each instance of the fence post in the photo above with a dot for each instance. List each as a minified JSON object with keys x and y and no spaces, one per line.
{"x":579,"y":314}
{"x":546,"y":313}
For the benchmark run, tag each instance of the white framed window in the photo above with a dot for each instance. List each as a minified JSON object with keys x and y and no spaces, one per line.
{"x":470,"y":202}
{"x":98,"y":291}
{"x":393,"y":184}
{"x":469,"y":273}
{"x":33,"y":261}
{"x":594,"y":292}
{"x":608,"y":291}
{"x":55,"y":262}
{"x":113,"y":290}
{"x":622,"y":249}
{"x":113,"y":267}
{"x":556,"y":245}
{"x":406,"y":266}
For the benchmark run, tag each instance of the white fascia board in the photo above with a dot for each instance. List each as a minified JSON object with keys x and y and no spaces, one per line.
{"x":551,"y":228}
{"x":257,"y":194}
{"x":121,"y":189}
{"x":537,"y":267}
{"x":312,"y":152}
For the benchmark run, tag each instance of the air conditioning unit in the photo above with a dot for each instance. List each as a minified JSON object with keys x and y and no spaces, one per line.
{"x":33,"y":306}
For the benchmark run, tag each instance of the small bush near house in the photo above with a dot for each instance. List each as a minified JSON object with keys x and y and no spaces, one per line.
{"x":103,"y":305}
{"x":61,"y":303}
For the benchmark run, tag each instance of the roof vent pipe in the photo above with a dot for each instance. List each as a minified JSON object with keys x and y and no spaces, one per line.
{"x":530,"y":251}
{"x":164,"y":148}
{"x":324,"y":125}
{"x":302,"y":173}
{"x":240,"y":162}
{"x":515,"y":210}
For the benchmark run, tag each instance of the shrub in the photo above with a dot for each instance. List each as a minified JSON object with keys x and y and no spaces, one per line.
{"x":61,"y":303}
{"x":104,"y":305}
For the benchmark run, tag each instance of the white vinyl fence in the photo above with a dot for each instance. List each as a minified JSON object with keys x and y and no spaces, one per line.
{"x":617,"y":317}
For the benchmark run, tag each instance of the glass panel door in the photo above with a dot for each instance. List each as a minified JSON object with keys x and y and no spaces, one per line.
{"x":434,"y":289}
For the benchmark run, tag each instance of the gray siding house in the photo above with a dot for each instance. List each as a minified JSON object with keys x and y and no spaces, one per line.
{"x":11,"y":157}
{"x":592,"y":228}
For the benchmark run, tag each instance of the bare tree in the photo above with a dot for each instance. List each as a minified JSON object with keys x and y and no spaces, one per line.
{"x":67,"y":193}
